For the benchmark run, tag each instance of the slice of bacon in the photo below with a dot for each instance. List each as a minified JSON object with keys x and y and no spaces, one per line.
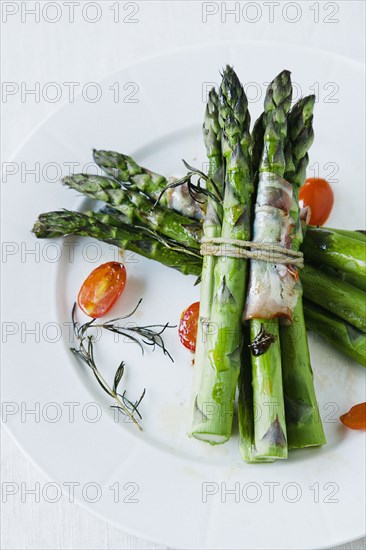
{"x":179,"y":199}
{"x":273,"y":291}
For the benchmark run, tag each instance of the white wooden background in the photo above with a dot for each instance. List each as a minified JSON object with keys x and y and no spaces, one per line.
{"x":84,"y":52}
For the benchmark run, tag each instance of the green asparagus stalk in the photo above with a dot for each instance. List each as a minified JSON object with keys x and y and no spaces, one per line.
{"x":269,"y":426}
{"x":304,"y":426}
{"x":336,"y":296}
{"x":346,"y":277}
{"x":338,"y":333}
{"x":130,"y":174}
{"x":256,"y":147}
{"x":220,"y":365}
{"x":125,"y":170}
{"x":230,"y":273}
{"x":359,"y":235}
{"x":138,"y":208}
{"x":246,"y":413}
{"x":211,"y":228}
{"x":353,"y":278}
{"x":213,"y":217}
{"x":212,"y":133}
{"x":110,"y":229}
{"x":326,"y":246}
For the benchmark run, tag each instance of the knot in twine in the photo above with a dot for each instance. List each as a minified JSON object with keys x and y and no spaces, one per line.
{"x":265,"y":252}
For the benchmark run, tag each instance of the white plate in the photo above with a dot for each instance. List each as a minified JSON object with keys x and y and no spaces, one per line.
{"x":318,"y":495}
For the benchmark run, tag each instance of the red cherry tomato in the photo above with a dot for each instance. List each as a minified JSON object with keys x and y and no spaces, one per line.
{"x":355,"y":418}
{"x":318,"y":194}
{"x":188,"y":326}
{"x":102,"y":288}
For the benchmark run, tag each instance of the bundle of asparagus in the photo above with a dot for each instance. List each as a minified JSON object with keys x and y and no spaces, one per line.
{"x":277,"y":378}
{"x":110,"y":227}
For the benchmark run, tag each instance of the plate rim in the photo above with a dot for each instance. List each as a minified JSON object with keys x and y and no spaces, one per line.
{"x":38,"y":127}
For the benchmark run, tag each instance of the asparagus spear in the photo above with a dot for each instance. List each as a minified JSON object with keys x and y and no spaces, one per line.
{"x":339,"y":274}
{"x":129,"y":173}
{"x":348,"y":277}
{"x":110,"y":229}
{"x":125,"y":170}
{"x":338,"y":297}
{"x":211,"y":229}
{"x":219,"y":367}
{"x":246,"y":412}
{"x":322,"y":245}
{"x":304,"y":426}
{"x":256,"y":147}
{"x":331,"y":329}
{"x":359,"y":235}
{"x":138,"y":208}
{"x":269,"y":427}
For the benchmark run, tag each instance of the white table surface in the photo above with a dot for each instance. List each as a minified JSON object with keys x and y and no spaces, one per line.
{"x":83,"y":52}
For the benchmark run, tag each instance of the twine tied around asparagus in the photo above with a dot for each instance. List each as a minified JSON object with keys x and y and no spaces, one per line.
{"x":266,"y":252}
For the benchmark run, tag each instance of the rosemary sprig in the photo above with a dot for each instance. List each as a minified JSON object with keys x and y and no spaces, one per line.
{"x":85,"y":352}
{"x":169,"y":243}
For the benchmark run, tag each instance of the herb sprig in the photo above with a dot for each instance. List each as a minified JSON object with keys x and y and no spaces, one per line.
{"x":144,"y":335}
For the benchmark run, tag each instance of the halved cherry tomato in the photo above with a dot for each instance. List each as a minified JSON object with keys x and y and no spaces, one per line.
{"x":318,"y":194}
{"x":102,"y":288}
{"x":188,"y":326}
{"x":355,"y":418}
